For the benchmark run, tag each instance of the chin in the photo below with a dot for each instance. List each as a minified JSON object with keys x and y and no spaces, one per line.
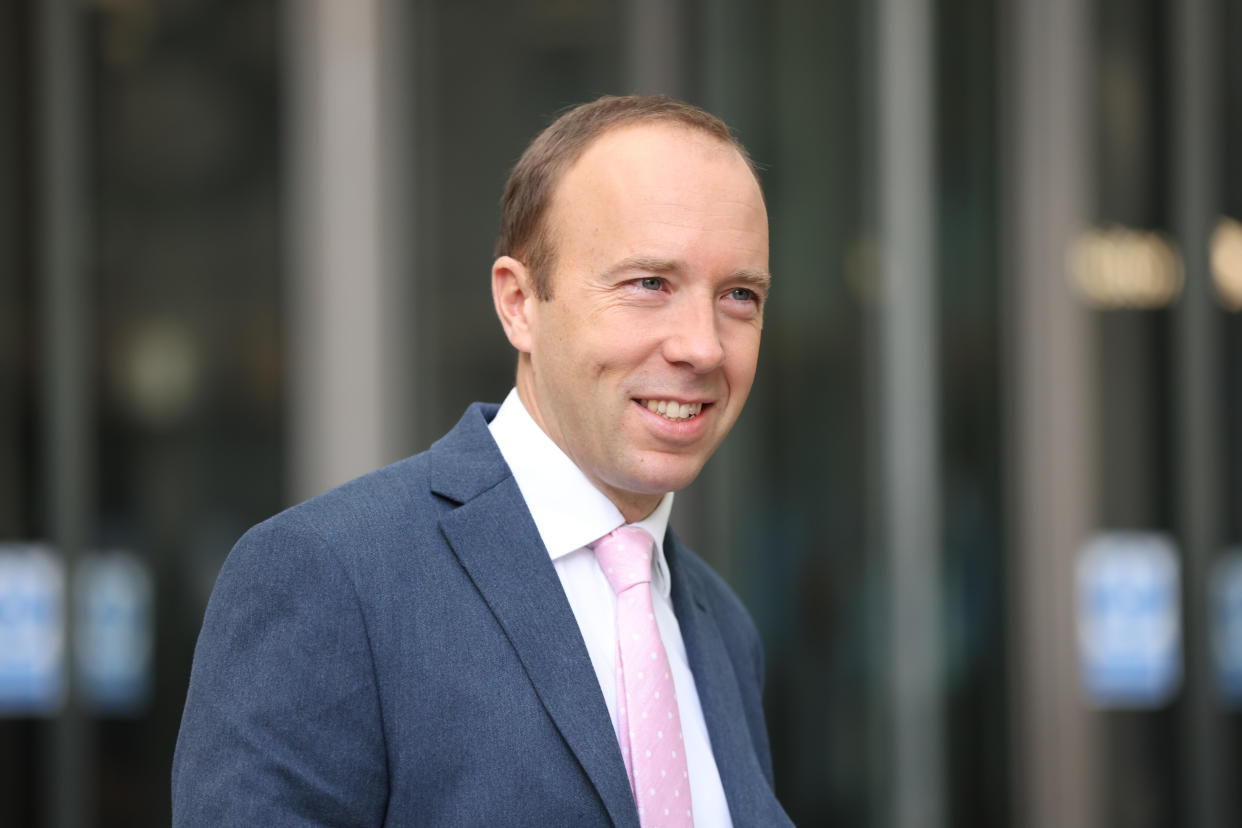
{"x":667,"y":480}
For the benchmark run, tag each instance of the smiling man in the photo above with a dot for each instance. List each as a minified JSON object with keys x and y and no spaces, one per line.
{"x":503,"y":630}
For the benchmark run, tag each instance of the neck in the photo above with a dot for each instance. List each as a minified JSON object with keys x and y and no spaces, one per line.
{"x":634,"y":506}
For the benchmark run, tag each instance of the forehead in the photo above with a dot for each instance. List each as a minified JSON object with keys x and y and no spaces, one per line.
{"x":651,"y":165}
{"x":650,"y":146}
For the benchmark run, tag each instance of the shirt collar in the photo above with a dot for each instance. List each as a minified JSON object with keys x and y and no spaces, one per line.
{"x":568,"y":510}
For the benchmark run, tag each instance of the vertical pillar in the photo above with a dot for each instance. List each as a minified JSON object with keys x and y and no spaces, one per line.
{"x":1051,"y":482}
{"x":656,"y":42}
{"x":349,"y":401}
{"x":1198,"y":343}
{"x":13,"y":494}
{"x":67,"y":403}
{"x":910,"y":406}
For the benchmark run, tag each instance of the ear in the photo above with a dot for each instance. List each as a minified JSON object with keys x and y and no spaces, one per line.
{"x":513,"y":293}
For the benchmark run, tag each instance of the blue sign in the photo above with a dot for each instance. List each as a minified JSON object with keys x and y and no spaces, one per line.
{"x":1129,"y":619}
{"x":114,"y":597}
{"x":32,"y":631}
{"x":1227,"y":624}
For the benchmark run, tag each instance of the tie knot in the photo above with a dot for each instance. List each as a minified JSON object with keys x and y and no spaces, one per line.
{"x":625,"y":556}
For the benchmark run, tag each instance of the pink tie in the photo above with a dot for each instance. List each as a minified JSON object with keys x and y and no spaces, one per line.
{"x":647,"y":719}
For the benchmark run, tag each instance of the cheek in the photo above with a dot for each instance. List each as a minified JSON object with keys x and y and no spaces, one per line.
{"x":562,"y":344}
{"x":619,"y":348}
{"x":742,"y":358}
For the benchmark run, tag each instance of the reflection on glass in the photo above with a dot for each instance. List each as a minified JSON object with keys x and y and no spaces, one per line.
{"x":1227,"y":262}
{"x":1118,"y":267}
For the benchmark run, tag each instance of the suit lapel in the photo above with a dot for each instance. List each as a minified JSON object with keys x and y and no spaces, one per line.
{"x":495,"y":539}
{"x":740,"y":773}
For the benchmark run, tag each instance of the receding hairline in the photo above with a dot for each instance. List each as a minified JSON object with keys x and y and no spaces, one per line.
{"x":612,"y":131}
{"x":616,"y":131}
{"x":639,"y":124}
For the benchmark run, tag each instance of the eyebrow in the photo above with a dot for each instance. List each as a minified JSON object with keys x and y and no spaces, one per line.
{"x":651,"y":264}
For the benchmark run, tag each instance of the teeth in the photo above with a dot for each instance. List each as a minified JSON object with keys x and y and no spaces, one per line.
{"x":673,"y":410}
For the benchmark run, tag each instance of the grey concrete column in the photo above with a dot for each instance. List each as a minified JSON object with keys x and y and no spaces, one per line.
{"x":657,"y":39}
{"x":1200,"y":399}
{"x":1051,"y":494}
{"x":910,"y":411}
{"x":67,"y":402}
{"x":14,"y":499}
{"x":349,"y":378}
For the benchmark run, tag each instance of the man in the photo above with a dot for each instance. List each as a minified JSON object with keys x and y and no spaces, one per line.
{"x":451,"y":640}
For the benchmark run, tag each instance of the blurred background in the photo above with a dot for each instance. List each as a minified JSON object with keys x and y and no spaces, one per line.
{"x":985,"y":503}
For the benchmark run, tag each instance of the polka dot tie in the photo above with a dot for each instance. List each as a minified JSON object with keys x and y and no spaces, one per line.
{"x":647,"y":719}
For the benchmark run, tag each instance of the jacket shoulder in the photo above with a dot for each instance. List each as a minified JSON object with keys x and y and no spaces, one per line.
{"x":394,"y":495}
{"x":404,"y":499}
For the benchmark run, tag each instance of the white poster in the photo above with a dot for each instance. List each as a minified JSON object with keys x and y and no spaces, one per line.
{"x":32,"y":632}
{"x":1129,"y":619}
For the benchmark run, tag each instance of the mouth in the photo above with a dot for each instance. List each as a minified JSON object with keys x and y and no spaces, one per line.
{"x":672,"y":409}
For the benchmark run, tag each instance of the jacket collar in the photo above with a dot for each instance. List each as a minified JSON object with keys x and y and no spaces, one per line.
{"x":493,"y":536}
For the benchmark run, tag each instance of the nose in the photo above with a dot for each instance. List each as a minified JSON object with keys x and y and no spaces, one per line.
{"x":694,"y":339}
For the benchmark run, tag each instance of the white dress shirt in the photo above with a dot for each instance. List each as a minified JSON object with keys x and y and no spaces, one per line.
{"x":569,"y":513}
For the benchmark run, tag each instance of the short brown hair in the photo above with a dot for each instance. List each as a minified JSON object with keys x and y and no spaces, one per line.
{"x":528,"y":193}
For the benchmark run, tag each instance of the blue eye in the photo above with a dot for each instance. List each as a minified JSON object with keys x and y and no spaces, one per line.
{"x":742,"y":294}
{"x":651,"y":282}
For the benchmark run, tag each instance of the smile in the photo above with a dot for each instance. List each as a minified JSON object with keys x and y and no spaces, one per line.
{"x":673,"y":410}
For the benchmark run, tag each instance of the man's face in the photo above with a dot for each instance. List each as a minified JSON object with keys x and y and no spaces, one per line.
{"x":641,"y":360}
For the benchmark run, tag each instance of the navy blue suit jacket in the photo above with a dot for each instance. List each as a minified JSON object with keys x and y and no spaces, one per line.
{"x":399,"y":651}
